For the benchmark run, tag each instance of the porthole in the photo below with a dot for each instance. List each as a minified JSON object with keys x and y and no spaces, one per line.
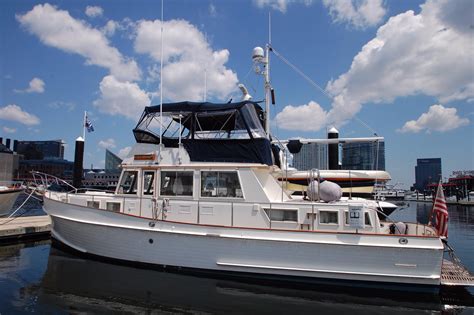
{"x":150,"y":241}
{"x":403,"y":241}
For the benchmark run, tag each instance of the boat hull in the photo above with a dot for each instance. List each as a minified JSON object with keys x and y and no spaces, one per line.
{"x":289,"y":254}
{"x":7,"y":200}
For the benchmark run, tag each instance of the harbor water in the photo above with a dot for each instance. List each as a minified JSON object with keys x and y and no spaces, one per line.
{"x":39,"y":277}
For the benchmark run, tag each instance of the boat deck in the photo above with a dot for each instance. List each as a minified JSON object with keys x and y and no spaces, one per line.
{"x":455,"y":274}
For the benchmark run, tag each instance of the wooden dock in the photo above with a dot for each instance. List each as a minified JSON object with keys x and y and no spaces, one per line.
{"x":24,"y":227}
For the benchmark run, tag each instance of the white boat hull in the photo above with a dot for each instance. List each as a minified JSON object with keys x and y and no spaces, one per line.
{"x":308,"y":255}
{"x":7,"y":200}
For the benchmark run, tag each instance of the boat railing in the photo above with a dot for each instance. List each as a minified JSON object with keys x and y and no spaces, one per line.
{"x":43,"y":181}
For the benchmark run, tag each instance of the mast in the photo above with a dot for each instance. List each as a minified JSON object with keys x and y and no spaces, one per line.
{"x":267,"y":89}
{"x":161,"y":77}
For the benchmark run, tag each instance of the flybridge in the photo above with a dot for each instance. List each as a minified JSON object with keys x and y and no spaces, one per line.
{"x":210,"y":132}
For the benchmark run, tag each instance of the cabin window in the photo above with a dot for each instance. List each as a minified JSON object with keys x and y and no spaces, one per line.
{"x":328,"y":217}
{"x":93,"y":204}
{"x":175,"y":183}
{"x":220,"y":184}
{"x":128,"y":185}
{"x":282,"y":215}
{"x":148,"y":182}
{"x":366,"y":216}
{"x":113,"y":206}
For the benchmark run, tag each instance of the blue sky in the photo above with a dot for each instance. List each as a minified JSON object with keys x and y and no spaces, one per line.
{"x":404,"y":68}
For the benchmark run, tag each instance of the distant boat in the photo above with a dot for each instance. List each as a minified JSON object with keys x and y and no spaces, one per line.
{"x":419,"y":197}
{"x":468,"y":200}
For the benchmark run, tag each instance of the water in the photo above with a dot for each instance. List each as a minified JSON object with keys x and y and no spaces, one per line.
{"x":36,"y":277}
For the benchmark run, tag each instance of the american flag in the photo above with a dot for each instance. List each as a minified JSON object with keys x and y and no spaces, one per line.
{"x":440,"y":211}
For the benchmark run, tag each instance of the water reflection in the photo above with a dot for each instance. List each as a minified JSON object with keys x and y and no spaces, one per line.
{"x":93,"y":286}
{"x":37,"y":278}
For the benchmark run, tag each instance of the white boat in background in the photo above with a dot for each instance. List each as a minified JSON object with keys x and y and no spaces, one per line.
{"x":202,"y":196}
{"x":352,"y":182}
{"x":416,"y":196}
{"x":9,"y":192}
{"x":388,"y":192}
{"x":468,"y":200}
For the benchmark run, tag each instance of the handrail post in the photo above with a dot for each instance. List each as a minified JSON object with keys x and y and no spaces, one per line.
{"x":270,"y":215}
{"x":232,"y":214}
{"x":198,"y":213}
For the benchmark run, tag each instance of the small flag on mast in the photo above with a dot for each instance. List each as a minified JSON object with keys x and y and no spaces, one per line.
{"x":440,"y":211}
{"x":88,"y":124}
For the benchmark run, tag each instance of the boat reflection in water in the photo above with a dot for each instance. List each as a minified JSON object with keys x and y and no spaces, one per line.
{"x":74,"y":283}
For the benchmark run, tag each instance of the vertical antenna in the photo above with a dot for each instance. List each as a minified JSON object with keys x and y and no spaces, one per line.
{"x":267,"y":78}
{"x":205,"y":85}
{"x":84,"y":126}
{"x":269,"y":28}
{"x":161,"y":77}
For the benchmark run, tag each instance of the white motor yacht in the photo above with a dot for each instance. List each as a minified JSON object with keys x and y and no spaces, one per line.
{"x":201,"y":195}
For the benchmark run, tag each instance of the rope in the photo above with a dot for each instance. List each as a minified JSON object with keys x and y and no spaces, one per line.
{"x":329,"y":96}
{"x":13,"y":218}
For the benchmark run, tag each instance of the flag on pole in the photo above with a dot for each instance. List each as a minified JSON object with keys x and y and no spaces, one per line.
{"x":88,"y":124}
{"x":440,"y":212}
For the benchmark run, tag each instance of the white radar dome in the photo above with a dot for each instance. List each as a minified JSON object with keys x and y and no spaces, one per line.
{"x":257,"y":54}
{"x":328,"y":191}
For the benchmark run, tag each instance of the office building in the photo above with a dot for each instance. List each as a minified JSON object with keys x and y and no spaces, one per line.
{"x":311,"y":156}
{"x":8,"y":164}
{"x":427,"y":171}
{"x":363,"y":156}
{"x":39,"y":150}
{"x":112,"y":161}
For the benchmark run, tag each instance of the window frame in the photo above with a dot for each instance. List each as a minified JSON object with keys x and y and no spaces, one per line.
{"x":137,"y":171}
{"x":366,"y":216}
{"x":330,"y":223}
{"x":217,"y":188}
{"x":268,"y":211}
{"x":153,"y":182}
{"x":191,"y":172}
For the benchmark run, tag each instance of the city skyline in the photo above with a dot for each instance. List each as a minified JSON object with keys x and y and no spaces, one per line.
{"x":401,"y":70}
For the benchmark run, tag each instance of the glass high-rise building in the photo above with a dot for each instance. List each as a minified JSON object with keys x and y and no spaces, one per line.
{"x":363,"y":156}
{"x":311,"y":156}
{"x":112,"y":161}
{"x":427,"y":171}
{"x":41,"y":150}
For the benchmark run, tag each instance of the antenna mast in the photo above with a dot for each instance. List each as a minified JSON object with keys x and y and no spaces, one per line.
{"x":267,"y":76}
{"x":161,"y":78}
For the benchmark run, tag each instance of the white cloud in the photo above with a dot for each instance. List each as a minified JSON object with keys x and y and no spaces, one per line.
{"x":280,"y":5}
{"x":110,"y":28}
{"x":438,"y":118}
{"x":411,"y":54}
{"x":187,"y":56}
{"x":69,"y":106}
{"x":359,"y":13}
{"x":56,"y":28}
{"x":212,"y":10}
{"x":123,"y":153}
{"x":14,"y":112}
{"x":121,"y":98}
{"x":107,"y":143}
{"x":36,"y":86}
{"x":94,"y":11}
{"x":9,"y":130}
{"x":308,"y":117}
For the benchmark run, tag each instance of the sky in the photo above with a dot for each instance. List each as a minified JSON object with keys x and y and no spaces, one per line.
{"x":401,"y":69}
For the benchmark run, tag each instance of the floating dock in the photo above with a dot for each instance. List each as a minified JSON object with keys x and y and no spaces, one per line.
{"x":24,"y":227}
